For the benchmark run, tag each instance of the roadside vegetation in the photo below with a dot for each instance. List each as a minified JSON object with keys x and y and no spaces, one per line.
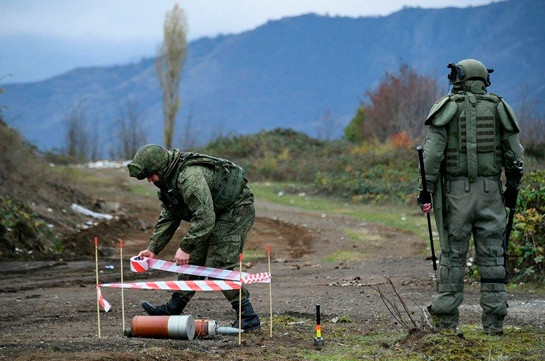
{"x":381,"y":177}
{"x":374,"y":181}
{"x":373,"y":165}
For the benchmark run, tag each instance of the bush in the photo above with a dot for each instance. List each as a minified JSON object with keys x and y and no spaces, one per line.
{"x":24,"y":233}
{"x":527,"y":241}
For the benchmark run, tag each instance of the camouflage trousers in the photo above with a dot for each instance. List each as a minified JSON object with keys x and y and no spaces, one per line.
{"x":472,"y":209}
{"x":222,"y":248}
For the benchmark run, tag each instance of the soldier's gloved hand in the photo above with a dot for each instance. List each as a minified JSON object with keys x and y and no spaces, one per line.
{"x":510,"y":197}
{"x":424,"y":201}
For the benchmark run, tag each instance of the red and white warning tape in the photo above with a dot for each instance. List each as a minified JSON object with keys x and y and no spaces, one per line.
{"x":142,"y":264}
{"x":233,"y":279}
{"x":263,"y":277}
{"x":209,"y":285}
{"x":103,"y":303}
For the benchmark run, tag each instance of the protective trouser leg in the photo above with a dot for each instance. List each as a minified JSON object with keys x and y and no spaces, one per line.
{"x":450,"y":293}
{"x":452,"y":262}
{"x":494,"y":304}
{"x":488,"y":229}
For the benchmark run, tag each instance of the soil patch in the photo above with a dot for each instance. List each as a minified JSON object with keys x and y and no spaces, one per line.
{"x":48,"y":307}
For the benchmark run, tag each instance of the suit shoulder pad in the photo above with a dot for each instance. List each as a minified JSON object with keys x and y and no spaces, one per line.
{"x":442,"y":111}
{"x":507,"y":116}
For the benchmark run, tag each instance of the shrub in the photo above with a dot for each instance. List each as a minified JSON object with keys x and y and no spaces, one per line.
{"x":527,"y":241}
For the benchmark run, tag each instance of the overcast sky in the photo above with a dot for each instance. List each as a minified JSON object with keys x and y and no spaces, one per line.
{"x":43,"y":38}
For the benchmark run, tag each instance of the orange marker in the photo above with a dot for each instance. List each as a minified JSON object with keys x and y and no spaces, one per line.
{"x":318,"y":340}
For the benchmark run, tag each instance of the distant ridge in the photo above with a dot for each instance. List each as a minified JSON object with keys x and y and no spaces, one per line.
{"x":289,"y":73}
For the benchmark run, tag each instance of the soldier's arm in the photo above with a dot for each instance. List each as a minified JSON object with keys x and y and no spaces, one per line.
{"x":434,"y":154}
{"x":197,"y":196}
{"x":164,"y":230}
{"x":441,"y":113}
{"x":513,"y":152}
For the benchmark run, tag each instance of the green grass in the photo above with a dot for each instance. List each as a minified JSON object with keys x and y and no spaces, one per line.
{"x":142,"y":190}
{"x":348,"y":342}
{"x":398,"y":216}
{"x":254,"y":255}
{"x":344,"y":256}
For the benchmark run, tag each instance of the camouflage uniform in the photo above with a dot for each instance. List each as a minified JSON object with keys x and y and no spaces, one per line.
{"x":472,"y":136}
{"x":211,"y":194}
{"x":214,"y":239}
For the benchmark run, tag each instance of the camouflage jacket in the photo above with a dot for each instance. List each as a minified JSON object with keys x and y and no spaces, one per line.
{"x":195,"y":187}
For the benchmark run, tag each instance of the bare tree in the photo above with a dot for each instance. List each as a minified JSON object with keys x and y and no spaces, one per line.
{"x":129,"y":130}
{"x":218,"y":130}
{"x":169,"y":65}
{"x":327,"y":125}
{"x":532,"y":125}
{"x":94,"y":151}
{"x":188,"y":136}
{"x":76,"y":136}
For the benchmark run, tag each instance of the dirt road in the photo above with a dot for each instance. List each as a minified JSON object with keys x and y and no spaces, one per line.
{"x":48,"y":308}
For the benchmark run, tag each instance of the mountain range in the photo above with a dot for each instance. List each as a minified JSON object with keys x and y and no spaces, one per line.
{"x":292,"y":73}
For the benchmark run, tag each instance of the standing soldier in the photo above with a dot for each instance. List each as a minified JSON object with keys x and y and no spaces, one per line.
{"x":472,"y":136}
{"x":210,"y":193}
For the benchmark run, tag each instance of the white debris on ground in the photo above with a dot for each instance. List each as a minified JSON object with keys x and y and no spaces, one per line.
{"x":108,"y":164}
{"x":88,"y":212}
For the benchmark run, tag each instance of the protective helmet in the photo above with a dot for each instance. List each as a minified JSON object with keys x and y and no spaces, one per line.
{"x":148,"y":160}
{"x":469,"y":69}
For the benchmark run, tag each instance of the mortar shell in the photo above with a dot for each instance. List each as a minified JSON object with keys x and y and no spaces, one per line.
{"x":179,"y":327}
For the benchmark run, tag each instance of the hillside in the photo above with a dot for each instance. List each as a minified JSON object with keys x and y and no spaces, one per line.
{"x":288,"y":73}
{"x":37,"y":221}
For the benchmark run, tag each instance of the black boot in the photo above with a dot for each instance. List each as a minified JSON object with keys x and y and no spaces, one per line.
{"x":250,"y":320}
{"x":174,"y":306}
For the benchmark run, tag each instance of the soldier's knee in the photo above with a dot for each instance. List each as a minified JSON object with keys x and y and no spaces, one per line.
{"x":451,"y":270}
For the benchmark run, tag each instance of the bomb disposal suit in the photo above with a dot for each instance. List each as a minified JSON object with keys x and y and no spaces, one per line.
{"x":211,"y":194}
{"x":472,"y":136}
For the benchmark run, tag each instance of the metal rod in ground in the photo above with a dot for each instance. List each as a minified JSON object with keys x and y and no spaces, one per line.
{"x":318,"y":340}
{"x":96,"y":277}
{"x":122,"y":288}
{"x":240,"y":302}
{"x":270,"y":290}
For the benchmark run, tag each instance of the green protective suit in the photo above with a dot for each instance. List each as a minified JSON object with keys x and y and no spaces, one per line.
{"x":472,"y":136}
{"x":214,"y":197}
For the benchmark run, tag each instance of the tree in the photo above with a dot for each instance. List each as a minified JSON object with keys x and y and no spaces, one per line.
{"x":76,"y":136}
{"x":94,"y":150}
{"x":353,"y":131}
{"x":188,"y":137}
{"x":532,"y":125}
{"x":400,"y":103}
{"x":169,"y":65}
{"x":129,"y":130}
{"x":327,"y":124}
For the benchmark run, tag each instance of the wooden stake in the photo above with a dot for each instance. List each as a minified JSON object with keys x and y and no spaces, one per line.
{"x":96,"y":276}
{"x":122,"y":288}
{"x":270,"y":290}
{"x":240,"y":302}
